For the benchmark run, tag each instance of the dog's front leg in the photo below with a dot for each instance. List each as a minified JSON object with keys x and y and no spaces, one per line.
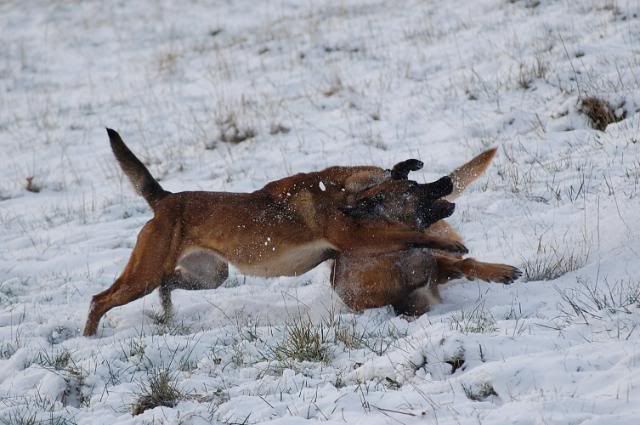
{"x":453,"y":268}
{"x":386,"y":237}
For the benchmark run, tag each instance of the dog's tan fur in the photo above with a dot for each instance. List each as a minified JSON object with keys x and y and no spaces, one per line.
{"x":408,"y":280}
{"x":284,"y":229}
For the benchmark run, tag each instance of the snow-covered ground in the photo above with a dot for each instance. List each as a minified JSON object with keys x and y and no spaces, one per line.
{"x":319,"y":83}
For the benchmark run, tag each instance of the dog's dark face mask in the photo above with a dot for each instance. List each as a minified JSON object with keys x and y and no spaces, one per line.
{"x":402,"y":200}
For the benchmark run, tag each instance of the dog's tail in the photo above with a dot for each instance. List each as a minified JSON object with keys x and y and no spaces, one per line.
{"x":142,"y":180}
{"x":466,"y":174}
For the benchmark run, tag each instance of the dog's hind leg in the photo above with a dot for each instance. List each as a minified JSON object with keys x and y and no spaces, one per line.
{"x":166,"y":286}
{"x":419,"y":273}
{"x":419,"y":301}
{"x":149,"y":265}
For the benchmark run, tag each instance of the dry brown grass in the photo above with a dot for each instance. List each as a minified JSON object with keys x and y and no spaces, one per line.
{"x":31,"y":186}
{"x":233,"y":132}
{"x":599,"y":112}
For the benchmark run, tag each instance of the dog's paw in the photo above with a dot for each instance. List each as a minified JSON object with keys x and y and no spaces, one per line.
{"x":506,"y":274}
{"x":515,"y":275}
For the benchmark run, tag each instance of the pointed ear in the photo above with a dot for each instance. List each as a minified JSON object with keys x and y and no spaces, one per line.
{"x":401,"y":170}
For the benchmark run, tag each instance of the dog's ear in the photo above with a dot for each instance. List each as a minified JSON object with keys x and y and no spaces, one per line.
{"x":401,"y":170}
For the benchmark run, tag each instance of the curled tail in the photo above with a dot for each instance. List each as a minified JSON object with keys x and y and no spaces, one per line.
{"x":143,"y":182}
{"x":466,"y":174}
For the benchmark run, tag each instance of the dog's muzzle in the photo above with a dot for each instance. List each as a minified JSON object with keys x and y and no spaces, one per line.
{"x":431,"y":211}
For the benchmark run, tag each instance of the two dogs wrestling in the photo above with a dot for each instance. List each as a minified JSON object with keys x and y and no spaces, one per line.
{"x":385,"y":233}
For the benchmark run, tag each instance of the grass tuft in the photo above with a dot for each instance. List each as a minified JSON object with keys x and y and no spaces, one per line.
{"x":599,"y":112}
{"x":303,"y":342}
{"x":591,"y":301}
{"x":230,"y":131}
{"x":528,"y":73}
{"x":478,"y":320}
{"x":349,"y":336}
{"x":33,"y":410}
{"x":20,"y":417}
{"x":56,"y":360}
{"x":160,"y":389}
{"x":27,"y":415}
{"x":63,"y":364}
{"x":554,"y":265}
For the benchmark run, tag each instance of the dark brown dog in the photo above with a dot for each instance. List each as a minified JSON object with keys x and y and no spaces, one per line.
{"x":284,"y":229}
{"x":408,"y":280}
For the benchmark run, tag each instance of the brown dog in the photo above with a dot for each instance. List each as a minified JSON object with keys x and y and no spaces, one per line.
{"x":408,"y":280}
{"x":284,"y":229}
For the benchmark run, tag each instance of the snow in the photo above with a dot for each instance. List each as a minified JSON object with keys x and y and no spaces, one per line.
{"x":307,"y":85}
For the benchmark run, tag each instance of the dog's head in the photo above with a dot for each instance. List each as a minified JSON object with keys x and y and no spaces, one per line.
{"x":400,"y":199}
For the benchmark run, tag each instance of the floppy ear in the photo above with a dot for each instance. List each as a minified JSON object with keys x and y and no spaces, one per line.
{"x":401,"y":170}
